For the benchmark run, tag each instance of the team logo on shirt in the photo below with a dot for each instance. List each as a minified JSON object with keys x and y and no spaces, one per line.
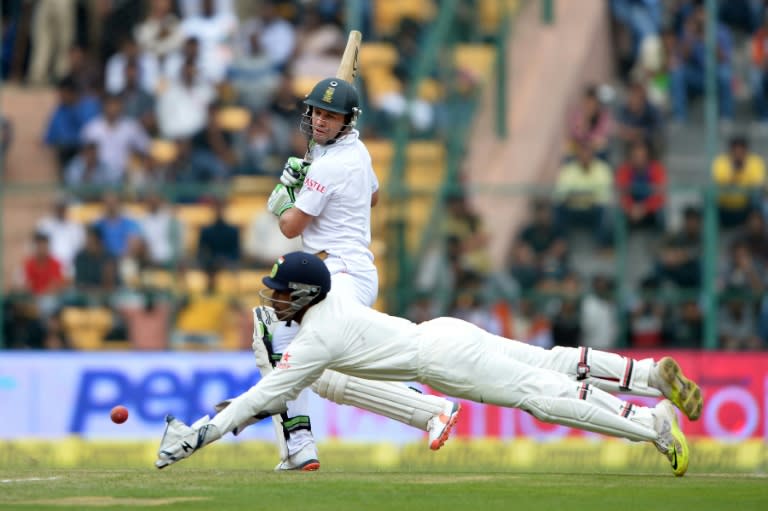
{"x":280,"y":260}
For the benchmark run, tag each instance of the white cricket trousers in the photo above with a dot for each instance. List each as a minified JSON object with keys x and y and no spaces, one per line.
{"x":362,"y":285}
{"x":464,"y":361}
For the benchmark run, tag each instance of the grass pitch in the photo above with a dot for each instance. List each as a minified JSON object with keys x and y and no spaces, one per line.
{"x":182,"y":488}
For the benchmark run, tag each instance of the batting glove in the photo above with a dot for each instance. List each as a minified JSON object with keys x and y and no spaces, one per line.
{"x":294,"y":172}
{"x":281,"y":199}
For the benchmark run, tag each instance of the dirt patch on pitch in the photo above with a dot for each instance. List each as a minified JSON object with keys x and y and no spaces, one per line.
{"x":114,"y":501}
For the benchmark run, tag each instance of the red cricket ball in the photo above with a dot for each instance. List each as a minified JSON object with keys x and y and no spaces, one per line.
{"x":119,"y":414}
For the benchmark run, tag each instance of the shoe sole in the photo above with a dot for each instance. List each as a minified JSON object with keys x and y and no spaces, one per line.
{"x":310,"y":466}
{"x":684,"y":393}
{"x":440,"y":441}
{"x":679,"y":455}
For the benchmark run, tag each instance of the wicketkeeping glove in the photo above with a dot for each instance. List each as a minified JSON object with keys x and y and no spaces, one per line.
{"x":281,"y":199}
{"x":294,"y":172}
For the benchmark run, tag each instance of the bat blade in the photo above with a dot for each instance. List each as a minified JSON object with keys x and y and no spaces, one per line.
{"x":349,"y":65}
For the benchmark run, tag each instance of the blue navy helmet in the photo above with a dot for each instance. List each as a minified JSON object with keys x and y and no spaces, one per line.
{"x":304,"y":275}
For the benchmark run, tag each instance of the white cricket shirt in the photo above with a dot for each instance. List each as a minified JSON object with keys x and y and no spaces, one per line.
{"x":337,"y":192}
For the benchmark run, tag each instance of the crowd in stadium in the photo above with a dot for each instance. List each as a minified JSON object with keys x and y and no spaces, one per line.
{"x":197,"y":92}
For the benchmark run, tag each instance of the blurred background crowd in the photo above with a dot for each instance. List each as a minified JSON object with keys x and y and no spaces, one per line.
{"x":172,"y":121}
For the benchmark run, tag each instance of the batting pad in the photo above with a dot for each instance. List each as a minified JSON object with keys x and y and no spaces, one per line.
{"x":585,"y":415}
{"x":394,"y":400}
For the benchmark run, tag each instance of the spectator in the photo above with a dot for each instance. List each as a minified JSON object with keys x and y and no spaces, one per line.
{"x":679,"y":259}
{"x":687,"y":75}
{"x":87,"y":170}
{"x":201,"y":318}
{"x":84,"y":71}
{"x":646,"y":318}
{"x":138,"y":104}
{"x":254,"y":77}
{"x":95,"y":268}
{"x":529,"y":325}
{"x":462,"y":223}
{"x":114,"y":76}
{"x":684,"y":325}
{"x":215,"y":30}
{"x":116,"y":136}
{"x":163,"y":232}
{"x":22,"y":327}
{"x":546,"y":242}
{"x":69,"y":117}
{"x":639,"y":120}
{"x":53,"y":32}
{"x":755,"y":235}
{"x":56,"y":336}
{"x":744,"y":271}
{"x":642,"y":18}
{"x":566,"y":322}
{"x":116,"y":229}
{"x":160,"y":33}
{"x":759,"y":70}
{"x":264,"y":148}
{"x":592,"y":123}
{"x":642,"y":182}
{"x":740,"y":174}
{"x":524,"y":268}
{"x":737,"y":325}
{"x":43,"y":275}
{"x":600,"y":329}
{"x":66,"y":237}
{"x":320,"y":44}
{"x":277,"y":35}
{"x":219,"y":244}
{"x":264,"y":242}
{"x":583,"y":193}
{"x":182,"y":108}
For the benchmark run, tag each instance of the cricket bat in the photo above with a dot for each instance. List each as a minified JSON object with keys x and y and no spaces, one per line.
{"x":350,"y":62}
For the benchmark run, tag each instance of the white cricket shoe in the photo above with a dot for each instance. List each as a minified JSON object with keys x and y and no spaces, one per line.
{"x":439,"y":426}
{"x":671,"y":442}
{"x":180,"y":441}
{"x":304,"y":460}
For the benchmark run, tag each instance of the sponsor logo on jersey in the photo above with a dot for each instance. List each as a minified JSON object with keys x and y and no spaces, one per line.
{"x":314,"y":185}
{"x":283,"y":364}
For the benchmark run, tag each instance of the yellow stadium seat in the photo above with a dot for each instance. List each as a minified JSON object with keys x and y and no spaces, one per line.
{"x":86,"y":213}
{"x":476,"y":58}
{"x":302,"y":85}
{"x":233,"y":118}
{"x":158,"y":279}
{"x":424,"y":176}
{"x":195,"y":281}
{"x":249,"y":281}
{"x":430,"y":90}
{"x":242,"y":214}
{"x":426,"y":151}
{"x":248,"y":185}
{"x":87,"y":326}
{"x":382,"y":84}
{"x":226,"y":283}
{"x":377,"y":54}
{"x":491,"y":12}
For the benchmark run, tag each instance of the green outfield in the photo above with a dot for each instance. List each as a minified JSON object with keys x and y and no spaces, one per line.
{"x":183,"y":488}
